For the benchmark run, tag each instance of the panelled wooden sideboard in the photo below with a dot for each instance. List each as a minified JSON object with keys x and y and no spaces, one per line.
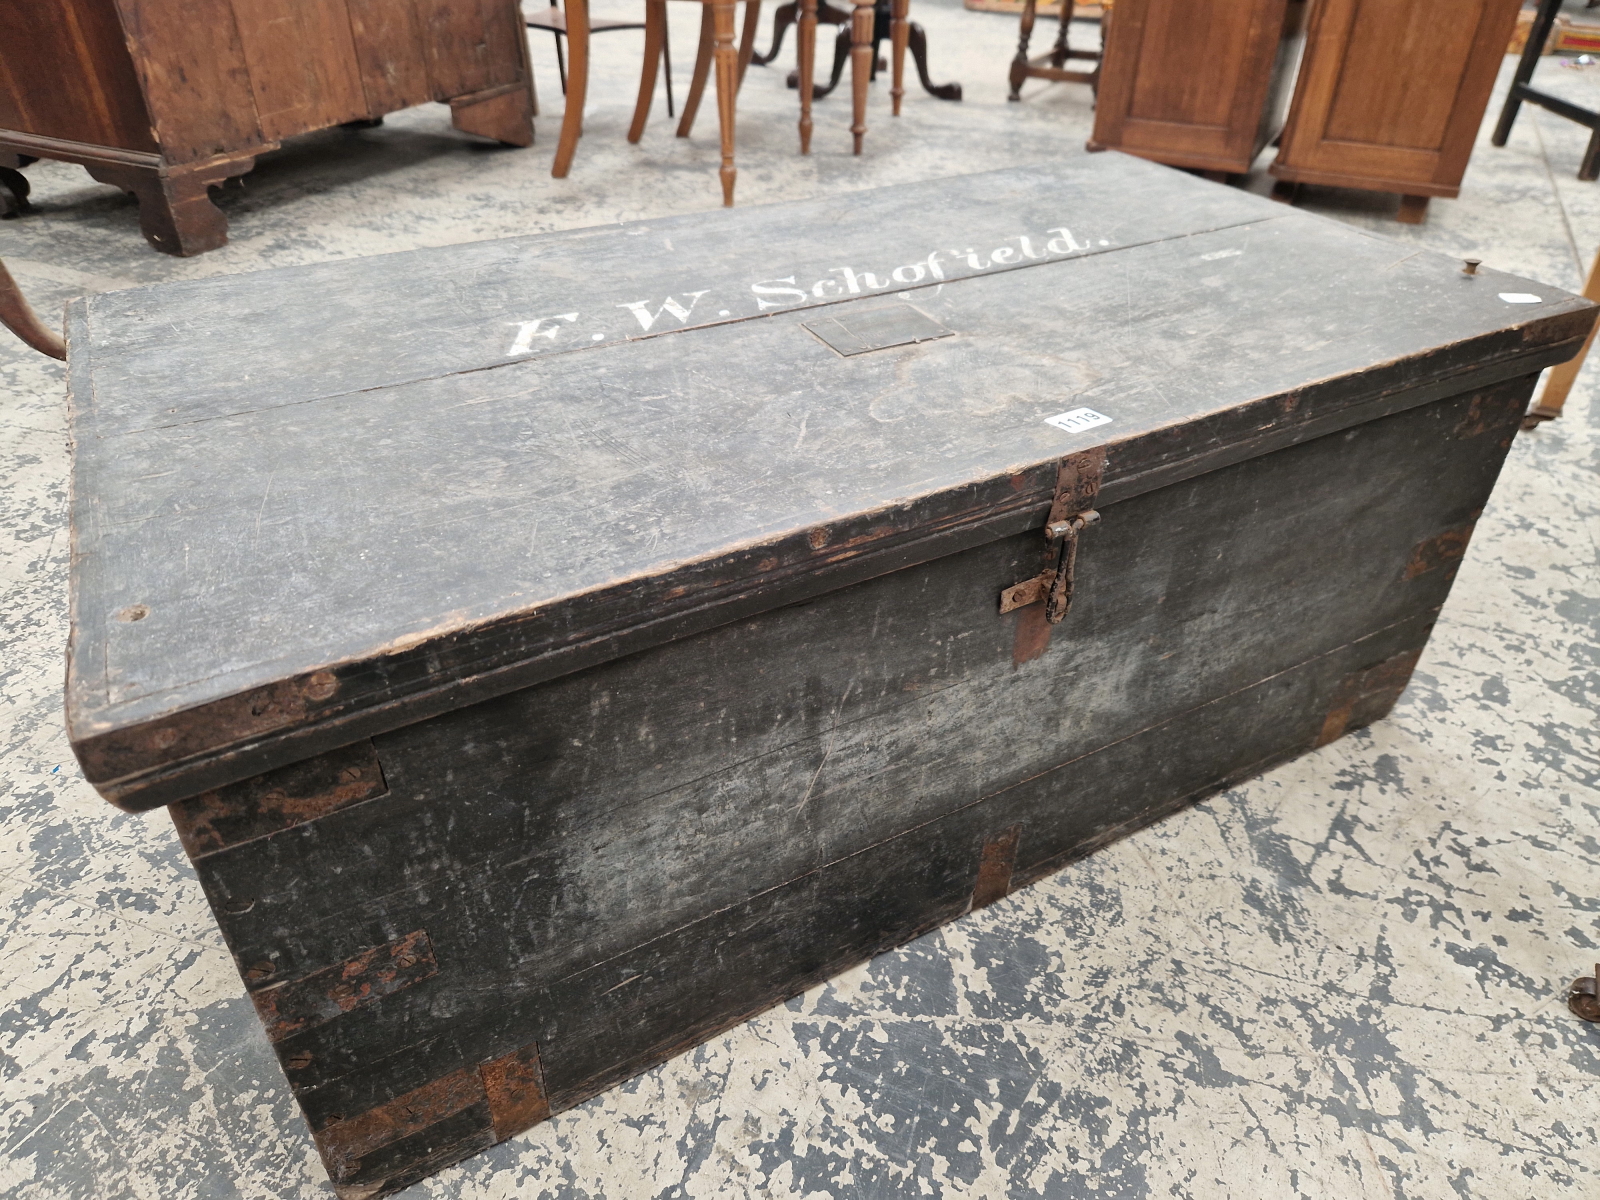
{"x":165,"y":98}
{"x":1197,"y":83}
{"x":1391,"y":94}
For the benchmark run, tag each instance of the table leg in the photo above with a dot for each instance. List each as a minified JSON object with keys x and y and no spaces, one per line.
{"x":917,"y":41}
{"x":861,"y":23}
{"x":899,"y":32}
{"x":655,"y":36}
{"x":577,"y":86}
{"x":781,"y":20}
{"x":727,"y":62}
{"x":807,"y":48}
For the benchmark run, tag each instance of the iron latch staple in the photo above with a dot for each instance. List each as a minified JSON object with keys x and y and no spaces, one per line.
{"x":1059,"y":598}
{"x":1078,"y":482}
{"x":1054,"y":584}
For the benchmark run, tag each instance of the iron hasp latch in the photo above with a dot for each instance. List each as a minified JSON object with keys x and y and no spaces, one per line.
{"x":1077,"y":485}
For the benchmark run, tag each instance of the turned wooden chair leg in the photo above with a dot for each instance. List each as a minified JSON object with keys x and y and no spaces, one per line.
{"x":1562,"y":376}
{"x":702,"y":68}
{"x":577,"y":86}
{"x":655,"y":37}
{"x":18,"y":316}
{"x":1019,"y":63}
{"x":861,"y":22}
{"x":807,"y":48}
{"x":1059,"y":52}
{"x":702,"y":59}
{"x":899,"y":34}
{"x":727,"y":64}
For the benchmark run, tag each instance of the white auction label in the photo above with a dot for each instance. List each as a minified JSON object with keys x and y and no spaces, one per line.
{"x":1077,"y":420}
{"x":1519,"y":297}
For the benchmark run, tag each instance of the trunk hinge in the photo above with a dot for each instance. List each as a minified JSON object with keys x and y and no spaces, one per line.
{"x":1077,"y":485}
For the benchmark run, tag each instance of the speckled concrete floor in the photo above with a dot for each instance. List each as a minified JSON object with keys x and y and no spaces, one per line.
{"x":1343,"y":979}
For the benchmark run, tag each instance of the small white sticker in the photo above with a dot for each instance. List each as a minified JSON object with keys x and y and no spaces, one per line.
{"x":1216,"y":254}
{"x":1519,"y":297}
{"x":1077,"y":420}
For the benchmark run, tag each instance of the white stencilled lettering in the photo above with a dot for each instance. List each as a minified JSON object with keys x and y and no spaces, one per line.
{"x":786,"y":291}
{"x":641,"y":309}
{"x":856,"y":282}
{"x":765,"y":288}
{"x":1063,"y":244}
{"x":528,"y":330}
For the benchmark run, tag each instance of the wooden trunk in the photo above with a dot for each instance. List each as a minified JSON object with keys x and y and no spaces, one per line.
{"x":556,"y":665}
{"x":165,"y":98}
{"x":1391,"y":94}
{"x":1197,"y":83}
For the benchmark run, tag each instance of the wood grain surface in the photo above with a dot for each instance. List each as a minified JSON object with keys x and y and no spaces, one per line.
{"x":1391,"y":93}
{"x":322,"y":550}
{"x":616,"y":865}
{"x":1196,"y":84}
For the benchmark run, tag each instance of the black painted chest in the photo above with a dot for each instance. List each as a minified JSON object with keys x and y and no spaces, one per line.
{"x":556,"y":650}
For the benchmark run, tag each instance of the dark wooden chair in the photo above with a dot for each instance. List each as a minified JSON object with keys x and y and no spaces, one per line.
{"x":554,"y":20}
{"x":1051,"y":65}
{"x":882,"y":30}
{"x":18,"y":316}
{"x":1523,"y":90}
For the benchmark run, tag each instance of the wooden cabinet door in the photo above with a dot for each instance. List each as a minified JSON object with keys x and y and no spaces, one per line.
{"x":1186,"y":82}
{"x":1392,"y":91}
